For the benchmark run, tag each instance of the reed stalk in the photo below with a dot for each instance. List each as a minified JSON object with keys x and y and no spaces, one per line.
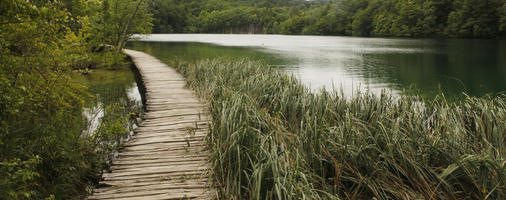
{"x":271,"y":137}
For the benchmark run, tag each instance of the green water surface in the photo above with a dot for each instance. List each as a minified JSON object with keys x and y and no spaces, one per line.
{"x":108,"y":88}
{"x":425,"y":67}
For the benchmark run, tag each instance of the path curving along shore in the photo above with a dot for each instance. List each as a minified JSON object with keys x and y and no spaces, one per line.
{"x":167,"y":157}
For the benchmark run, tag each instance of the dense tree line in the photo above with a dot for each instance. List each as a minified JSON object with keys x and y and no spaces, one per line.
{"x":44,"y":153}
{"x":222,"y":16}
{"x":392,"y":18}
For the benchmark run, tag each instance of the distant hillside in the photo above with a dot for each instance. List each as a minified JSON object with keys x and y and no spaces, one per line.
{"x":391,"y":18}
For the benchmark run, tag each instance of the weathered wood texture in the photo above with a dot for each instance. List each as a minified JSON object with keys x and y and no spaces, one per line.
{"x":167,"y":157}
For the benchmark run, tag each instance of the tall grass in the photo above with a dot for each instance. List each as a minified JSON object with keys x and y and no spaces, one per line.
{"x":272,"y":138}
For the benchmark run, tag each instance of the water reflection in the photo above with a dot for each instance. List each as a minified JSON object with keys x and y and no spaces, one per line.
{"x":109,"y":88}
{"x":193,"y":51}
{"x":431,"y":66}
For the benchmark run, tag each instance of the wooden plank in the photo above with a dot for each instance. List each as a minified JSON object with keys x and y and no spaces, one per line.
{"x":167,"y":157}
{"x":173,"y":178}
{"x":174,"y":118}
{"x":166,"y":151}
{"x":148,"y":194}
{"x":181,"y":141}
{"x":181,"y":185}
{"x":146,"y":141}
{"x":188,"y":126}
{"x":161,"y":135}
{"x":189,"y":120}
{"x":172,"y":114}
{"x":184,"y":163}
{"x":176,"y":108}
{"x":179,"y":145}
{"x":153,"y":174}
{"x":158,"y":160}
{"x":175,"y":112}
{"x":147,"y":182}
{"x":168,"y":101}
{"x":195,"y":103}
{"x":163,"y":138}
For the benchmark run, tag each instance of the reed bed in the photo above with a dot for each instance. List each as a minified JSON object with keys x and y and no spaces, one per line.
{"x":271,"y":137}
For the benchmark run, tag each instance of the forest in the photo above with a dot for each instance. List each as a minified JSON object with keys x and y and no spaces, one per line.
{"x":45,"y":152}
{"x":368,"y":18}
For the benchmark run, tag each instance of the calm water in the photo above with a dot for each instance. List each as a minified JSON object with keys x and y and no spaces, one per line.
{"x":423,"y":66}
{"x":109,"y":88}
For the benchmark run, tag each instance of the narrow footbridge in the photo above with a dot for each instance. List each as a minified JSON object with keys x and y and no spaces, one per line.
{"x":167,"y":157}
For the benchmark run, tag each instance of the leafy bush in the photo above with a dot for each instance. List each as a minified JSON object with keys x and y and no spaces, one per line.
{"x":43,"y":151}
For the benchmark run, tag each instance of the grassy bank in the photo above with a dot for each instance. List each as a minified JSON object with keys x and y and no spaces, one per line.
{"x":271,"y":137}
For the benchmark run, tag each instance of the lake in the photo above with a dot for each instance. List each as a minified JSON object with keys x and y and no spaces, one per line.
{"x":424,"y":67}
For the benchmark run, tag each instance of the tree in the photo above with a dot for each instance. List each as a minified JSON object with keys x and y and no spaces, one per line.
{"x":38,"y":100}
{"x":293,"y":26}
{"x":127,"y":26}
{"x":406,"y":18}
{"x":43,"y":151}
{"x":474,"y":18}
{"x":170,"y":16}
{"x":502,"y":20}
{"x":415,"y":18}
{"x":362,"y":22}
{"x":116,"y":16}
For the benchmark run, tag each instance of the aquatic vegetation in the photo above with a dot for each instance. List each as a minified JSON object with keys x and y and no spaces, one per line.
{"x":272,"y":138}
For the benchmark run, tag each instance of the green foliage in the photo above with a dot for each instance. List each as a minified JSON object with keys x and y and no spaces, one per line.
{"x":272,"y":138}
{"x":219,"y":16}
{"x":405,"y":18}
{"x":416,"y":18}
{"x":108,"y":25}
{"x":43,"y":151}
{"x":474,"y":18}
{"x":170,"y":16}
{"x":361,"y":25}
{"x":19,"y":178}
{"x":502,"y":13}
{"x":37,"y":98}
{"x":111,"y":132}
{"x":293,"y":26}
{"x":109,"y":60}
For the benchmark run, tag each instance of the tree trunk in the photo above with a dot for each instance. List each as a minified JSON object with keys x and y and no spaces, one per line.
{"x":125,"y":31}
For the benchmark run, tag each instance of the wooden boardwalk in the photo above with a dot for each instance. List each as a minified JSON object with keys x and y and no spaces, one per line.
{"x":166,"y":158}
